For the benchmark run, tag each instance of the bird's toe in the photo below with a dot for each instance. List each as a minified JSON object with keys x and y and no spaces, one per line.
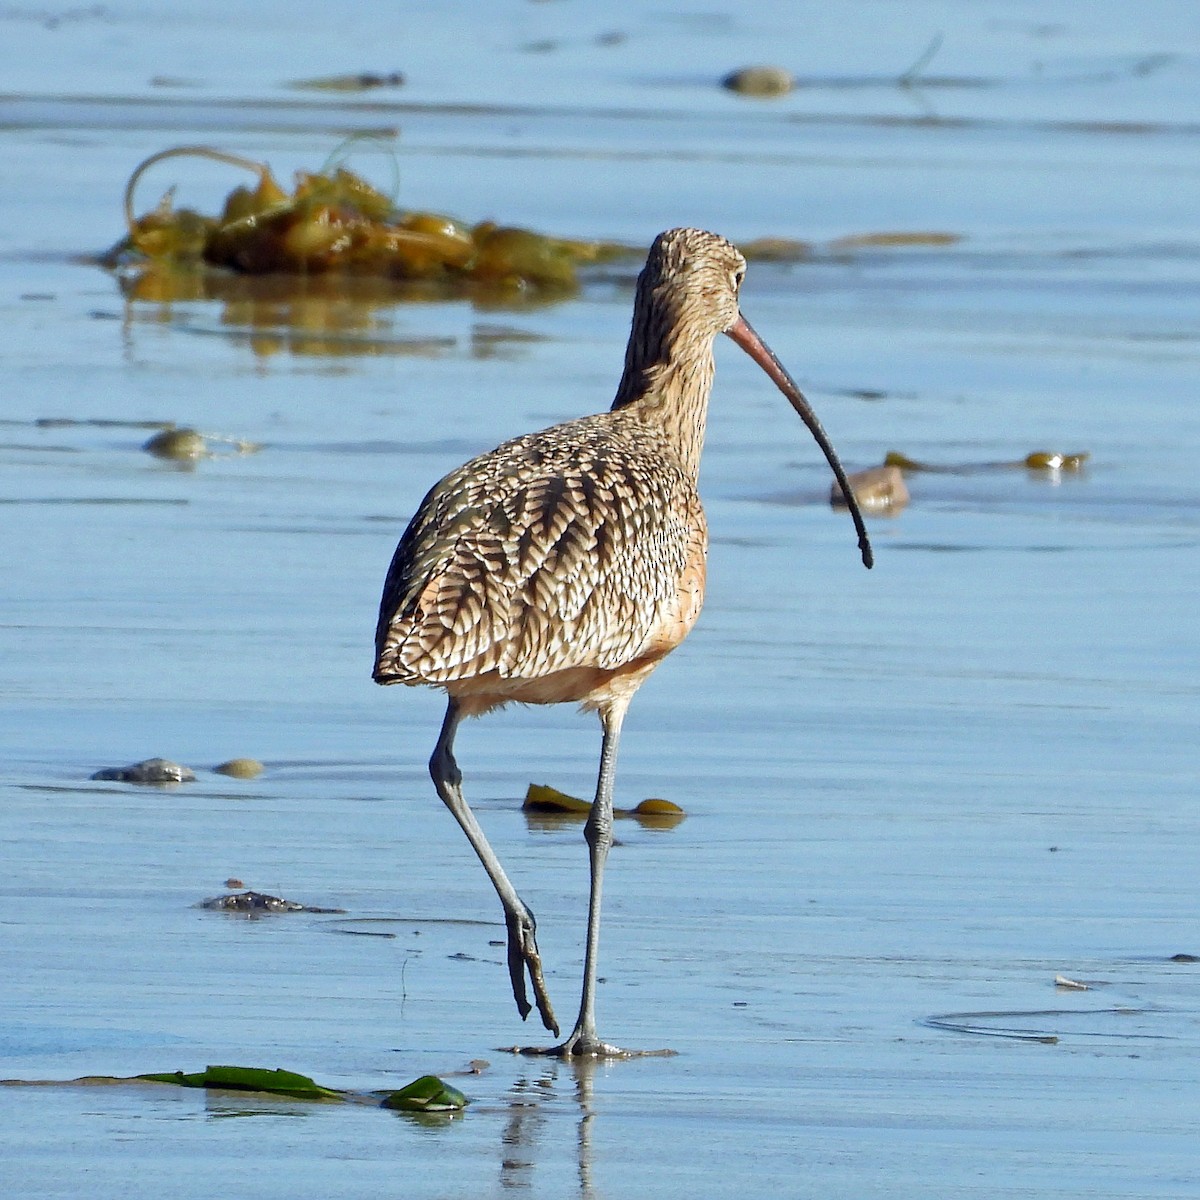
{"x":523,"y":956}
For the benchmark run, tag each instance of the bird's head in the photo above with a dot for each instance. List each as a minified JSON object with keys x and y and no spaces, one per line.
{"x":690,"y":283}
{"x":687,"y":293}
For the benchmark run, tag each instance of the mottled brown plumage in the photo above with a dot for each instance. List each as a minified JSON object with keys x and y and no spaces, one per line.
{"x":564,"y":564}
{"x":563,"y":551}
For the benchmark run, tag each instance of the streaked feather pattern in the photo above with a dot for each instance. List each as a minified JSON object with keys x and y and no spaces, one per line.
{"x":557,"y":550}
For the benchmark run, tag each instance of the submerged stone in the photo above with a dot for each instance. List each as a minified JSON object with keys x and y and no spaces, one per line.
{"x":151,"y":770}
{"x":260,"y":902}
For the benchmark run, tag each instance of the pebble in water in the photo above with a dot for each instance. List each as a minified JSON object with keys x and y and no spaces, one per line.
{"x":151,"y":770}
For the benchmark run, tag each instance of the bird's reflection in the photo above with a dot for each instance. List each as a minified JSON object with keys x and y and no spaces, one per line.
{"x":532,"y":1094}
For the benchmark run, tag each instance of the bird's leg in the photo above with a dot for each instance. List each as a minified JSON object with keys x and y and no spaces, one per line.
{"x":598,"y":834}
{"x":522,"y":942}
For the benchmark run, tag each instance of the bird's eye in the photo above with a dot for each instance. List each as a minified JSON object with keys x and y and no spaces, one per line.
{"x":738,"y":276}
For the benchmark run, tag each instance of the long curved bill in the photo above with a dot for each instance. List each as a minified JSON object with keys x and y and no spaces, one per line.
{"x":744,"y":335}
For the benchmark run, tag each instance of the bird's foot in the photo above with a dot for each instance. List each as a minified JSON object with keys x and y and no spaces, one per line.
{"x":587,"y":1045}
{"x":523,"y":956}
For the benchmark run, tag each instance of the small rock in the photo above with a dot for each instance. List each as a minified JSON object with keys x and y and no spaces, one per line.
{"x":260,"y":902}
{"x":760,"y":81}
{"x":252,"y":902}
{"x":152,"y":770}
{"x":240,"y":768}
{"x":878,"y":489}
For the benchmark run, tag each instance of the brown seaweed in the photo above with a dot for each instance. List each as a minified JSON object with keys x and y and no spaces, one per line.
{"x":333,"y":222}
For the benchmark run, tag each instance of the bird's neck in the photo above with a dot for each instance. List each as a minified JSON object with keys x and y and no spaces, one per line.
{"x":667,"y":386}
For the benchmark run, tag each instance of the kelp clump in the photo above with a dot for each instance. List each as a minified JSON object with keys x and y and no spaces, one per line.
{"x":335,"y":222}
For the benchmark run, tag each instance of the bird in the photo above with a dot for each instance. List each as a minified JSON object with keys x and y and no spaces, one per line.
{"x":564,"y":565}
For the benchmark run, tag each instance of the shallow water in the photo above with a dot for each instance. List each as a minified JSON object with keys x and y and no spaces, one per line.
{"x":917,"y":793}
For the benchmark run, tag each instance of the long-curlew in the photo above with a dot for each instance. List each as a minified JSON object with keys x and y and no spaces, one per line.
{"x":565,"y":564}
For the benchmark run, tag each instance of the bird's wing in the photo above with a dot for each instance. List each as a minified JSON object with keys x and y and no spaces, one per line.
{"x":549,"y":553}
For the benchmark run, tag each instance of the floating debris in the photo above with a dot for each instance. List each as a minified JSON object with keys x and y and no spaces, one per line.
{"x":334,"y":221}
{"x":776,"y":249}
{"x":864,"y":241}
{"x":365,"y":81}
{"x":428,"y":1094}
{"x":763,"y":81}
{"x":541,"y":798}
{"x":1070,"y":985}
{"x":793,"y":250}
{"x":1051,"y":460}
{"x":878,"y":489}
{"x":152,"y":771}
{"x":99,"y":423}
{"x":260,"y":902}
{"x":894,"y":458}
{"x":180,"y":444}
{"x":350,"y":932}
{"x":276,"y":1082}
{"x":240,"y":768}
{"x":1038,"y":460}
{"x":655,"y":807}
{"x":189,"y":445}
